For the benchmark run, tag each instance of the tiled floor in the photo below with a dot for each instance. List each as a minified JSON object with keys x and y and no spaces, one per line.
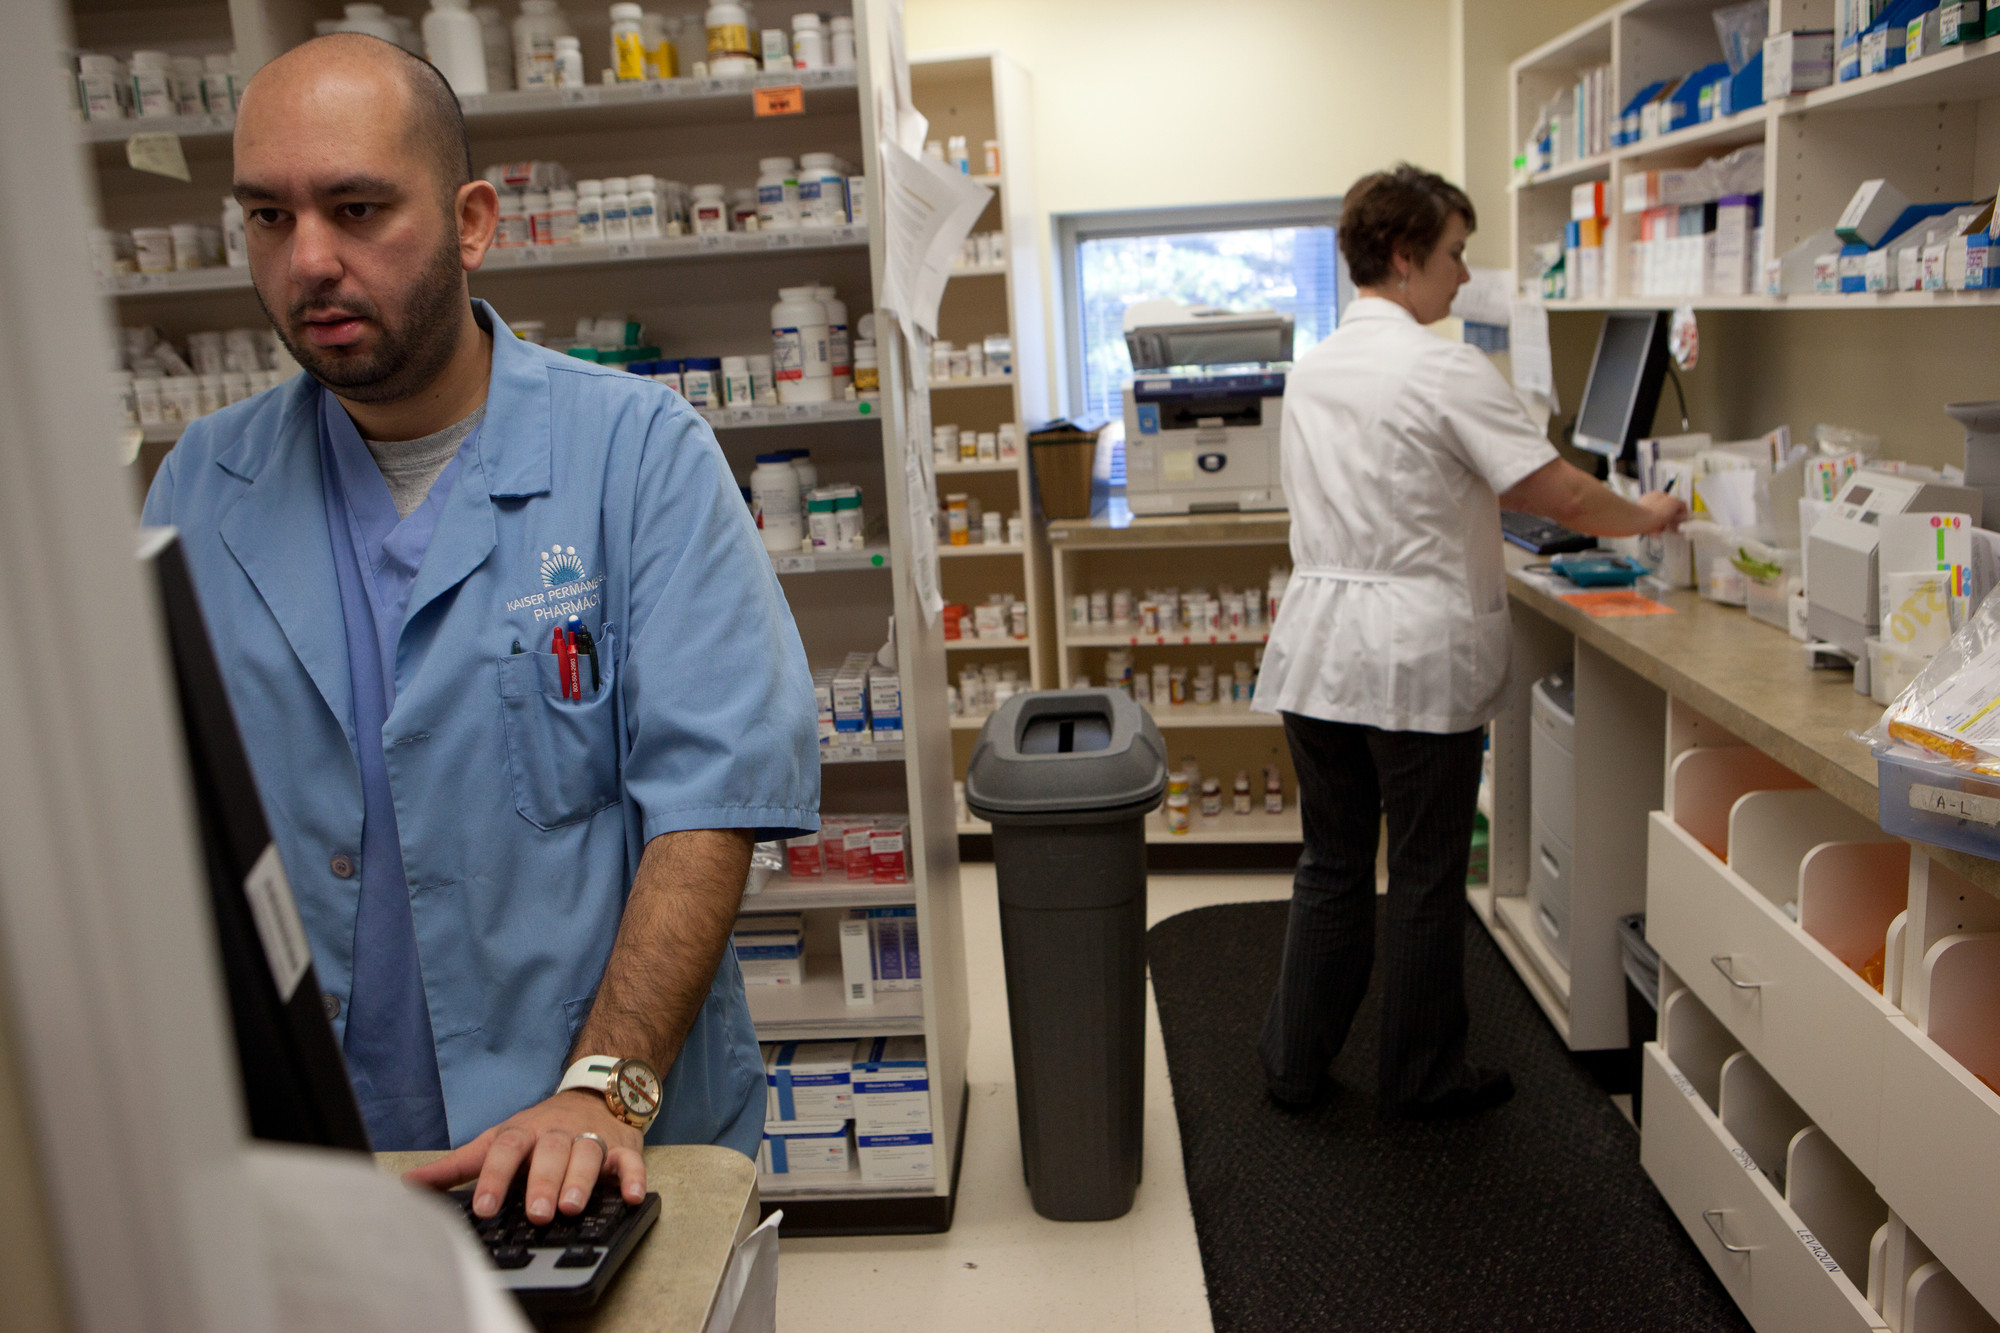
{"x":1001,"y":1267}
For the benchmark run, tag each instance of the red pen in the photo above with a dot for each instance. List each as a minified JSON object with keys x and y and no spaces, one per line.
{"x":559,"y":645}
{"x":575,"y":667}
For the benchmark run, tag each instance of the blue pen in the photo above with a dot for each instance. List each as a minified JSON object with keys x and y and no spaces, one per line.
{"x":587,"y":646}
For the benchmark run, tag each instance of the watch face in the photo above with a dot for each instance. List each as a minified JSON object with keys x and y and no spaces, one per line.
{"x":637,"y":1087}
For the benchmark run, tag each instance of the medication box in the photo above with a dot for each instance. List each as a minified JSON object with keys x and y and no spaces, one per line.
{"x":823,"y":701}
{"x":808,"y":1081}
{"x":803,"y":859}
{"x":770,"y":949}
{"x":888,"y":854}
{"x":892,"y":1087}
{"x":888,"y":1157}
{"x":885,"y":704}
{"x":850,"y":702}
{"x":1870,"y":213}
{"x":893,"y":943}
{"x":804,"y":1147}
{"x":1797,"y":62}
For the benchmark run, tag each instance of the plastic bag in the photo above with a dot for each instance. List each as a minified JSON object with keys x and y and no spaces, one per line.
{"x":1741,"y":30}
{"x":1951,"y":710}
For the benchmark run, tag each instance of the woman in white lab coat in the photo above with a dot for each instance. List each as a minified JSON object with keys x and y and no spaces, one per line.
{"x":1390,"y":651}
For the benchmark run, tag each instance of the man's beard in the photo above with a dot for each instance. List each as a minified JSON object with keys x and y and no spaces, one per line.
{"x":409,"y":355}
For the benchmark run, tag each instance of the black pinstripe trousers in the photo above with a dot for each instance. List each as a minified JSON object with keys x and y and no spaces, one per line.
{"x":1427,"y":785}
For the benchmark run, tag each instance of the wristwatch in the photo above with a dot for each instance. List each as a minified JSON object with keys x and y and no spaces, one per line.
{"x":631,"y":1088}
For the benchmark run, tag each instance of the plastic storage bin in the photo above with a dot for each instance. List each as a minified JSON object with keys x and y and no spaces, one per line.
{"x":1067,"y":778}
{"x":1938,"y":803}
{"x":1890,"y":670}
{"x":1768,"y":597}
{"x":1716,"y":576}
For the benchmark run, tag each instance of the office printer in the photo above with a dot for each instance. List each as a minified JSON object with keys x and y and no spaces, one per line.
{"x":1204,"y":435}
{"x":1843,"y":554}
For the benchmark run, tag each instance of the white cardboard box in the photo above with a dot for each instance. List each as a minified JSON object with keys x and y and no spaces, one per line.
{"x":1797,"y":62}
{"x":770,"y":949}
{"x":808,"y":1081}
{"x":1870,"y":213}
{"x":805,"y":1147}
{"x":892,"y":1157}
{"x":892,"y":1086}
{"x":885,"y":705}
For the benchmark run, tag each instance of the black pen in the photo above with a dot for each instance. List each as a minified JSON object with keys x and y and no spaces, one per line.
{"x":588,"y":647}
{"x":518,"y":649}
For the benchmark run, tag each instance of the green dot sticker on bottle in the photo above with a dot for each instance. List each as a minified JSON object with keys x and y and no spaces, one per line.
{"x":876,"y":560}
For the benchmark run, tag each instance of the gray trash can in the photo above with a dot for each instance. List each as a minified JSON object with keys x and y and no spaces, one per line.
{"x":1067,"y":777}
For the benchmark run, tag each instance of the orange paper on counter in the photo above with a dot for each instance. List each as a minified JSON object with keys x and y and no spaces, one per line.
{"x":1604,"y":605}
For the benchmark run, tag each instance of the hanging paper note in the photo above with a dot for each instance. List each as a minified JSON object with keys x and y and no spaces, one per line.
{"x":159,"y":153}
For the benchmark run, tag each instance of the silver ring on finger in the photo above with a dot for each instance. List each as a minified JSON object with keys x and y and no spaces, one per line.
{"x":596,"y":1139}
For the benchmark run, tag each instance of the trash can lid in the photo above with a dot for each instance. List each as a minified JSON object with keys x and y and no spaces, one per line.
{"x":1056,"y":752}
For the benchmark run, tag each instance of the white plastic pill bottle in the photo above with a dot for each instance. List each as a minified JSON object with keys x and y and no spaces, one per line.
{"x":822,"y":191}
{"x":569,"y":62}
{"x":102,"y":86}
{"x":777,"y":194}
{"x":643,"y":206}
{"x":774,"y":490}
{"x":711,"y":210}
{"x":590,"y":212}
{"x":617,"y":209}
{"x":801,"y":361}
{"x":728,"y":27}
{"x":838,"y":345}
{"x":454,"y":42}
{"x":843,"y":42}
{"x":628,"y":43}
{"x":808,"y":42}
{"x":535,"y":33}
{"x":152,"y":84}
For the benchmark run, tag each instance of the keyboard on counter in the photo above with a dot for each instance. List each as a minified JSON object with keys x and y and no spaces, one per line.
{"x":564,"y":1265}
{"x":1534,"y":533}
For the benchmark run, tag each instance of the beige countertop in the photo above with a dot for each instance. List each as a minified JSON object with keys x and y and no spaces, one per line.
{"x":1753,"y":679}
{"x":1173,"y":530}
{"x":707,"y":1194}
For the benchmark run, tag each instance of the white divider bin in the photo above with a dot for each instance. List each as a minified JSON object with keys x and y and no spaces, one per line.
{"x":1791,"y":1002}
{"x":1940,"y":1160}
{"x":1914,"y":1291}
{"x":1779,"y":1273}
{"x":1832,"y":1198}
{"x":1758,"y":1115}
{"x":1707,"y":781}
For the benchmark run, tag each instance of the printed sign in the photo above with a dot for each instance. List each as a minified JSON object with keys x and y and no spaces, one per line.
{"x":787,"y":99}
{"x":278,"y":924}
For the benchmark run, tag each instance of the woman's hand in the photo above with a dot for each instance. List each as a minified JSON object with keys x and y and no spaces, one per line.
{"x":1666,"y":512}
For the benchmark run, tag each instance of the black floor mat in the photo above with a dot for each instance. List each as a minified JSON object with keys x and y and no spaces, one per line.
{"x":1534,"y":1216}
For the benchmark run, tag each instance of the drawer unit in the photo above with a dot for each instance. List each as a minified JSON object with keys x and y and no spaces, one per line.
{"x":1552,"y":763}
{"x":1784,"y":1280}
{"x":1810,"y":1021}
{"x":1549,"y":872}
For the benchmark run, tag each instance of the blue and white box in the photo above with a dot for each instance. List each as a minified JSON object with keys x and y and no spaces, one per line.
{"x":805,"y":1147}
{"x":808,"y":1081}
{"x":885,"y":705}
{"x":893,"y":1157}
{"x":892,"y":1086}
{"x":770,"y":949}
{"x":893,"y":941}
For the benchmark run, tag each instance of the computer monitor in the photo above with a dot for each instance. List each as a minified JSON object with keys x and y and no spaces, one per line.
{"x":1624,"y":386}
{"x":295,"y":1086}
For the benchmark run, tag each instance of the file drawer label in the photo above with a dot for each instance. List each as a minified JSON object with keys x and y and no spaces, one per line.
{"x":1955,"y":804}
{"x":1817,"y":1250}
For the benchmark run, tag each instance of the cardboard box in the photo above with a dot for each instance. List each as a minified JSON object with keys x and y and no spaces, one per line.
{"x":893,"y":1157}
{"x":806,"y":1147}
{"x":1870,"y":213}
{"x":1587,"y":201}
{"x":857,"y":963}
{"x":888,"y":853}
{"x":1961,"y":21}
{"x":809,"y":1081}
{"x":858,"y":852}
{"x":770,"y":949}
{"x":850,"y":704}
{"x":1797,"y":62}
{"x":803,"y":859}
{"x":885,"y":705}
{"x":898,"y":962}
{"x":892,"y":1088}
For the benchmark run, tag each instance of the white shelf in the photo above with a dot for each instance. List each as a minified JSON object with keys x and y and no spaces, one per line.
{"x":992,"y":182}
{"x":1596,"y":166}
{"x":794,"y":414}
{"x":1805,"y":301}
{"x":973,"y":382}
{"x":650,"y":101}
{"x":861,"y":752}
{"x":1962,"y":73}
{"x":1001,"y":465}
{"x":968,"y":645}
{"x":831,"y":562}
{"x":1724,"y":131}
{"x":1248,"y":638}
{"x":1173,"y":717}
{"x":782,"y":893}
{"x":819,"y":1009}
{"x":188,"y":127}
{"x":980,"y":270}
{"x":539,"y":258}
{"x":1226,"y":827}
{"x":817,"y":1185}
{"x":948,"y":551}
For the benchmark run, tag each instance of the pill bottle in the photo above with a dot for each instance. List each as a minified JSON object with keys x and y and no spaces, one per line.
{"x":569,"y":63}
{"x":958,"y":519}
{"x":955,"y":153}
{"x":822,"y":191}
{"x":643,"y":194}
{"x":617,"y":209}
{"x":774,"y":491}
{"x":839,"y":348}
{"x":711,"y":210}
{"x":184,"y":77}
{"x":728,"y":27}
{"x":152,"y":84}
{"x":775,"y":45}
{"x":187,"y":245}
{"x":590,"y":212}
{"x":990,"y":151}
{"x":562,"y":217}
{"x":153,"y":249}
{"x":867,"y":374}
{"x":235,"y":243}
{"x":498,"y":48}
{"x":736,"y":382}
{"x":513,"y":228}
{"x":535,"y":203}
{"x":808,"y":42}
{"x":803,"y":465}
{"x":701,"y":382}
{"x":455,"y":43}
{"x":777,"y":194}
{"x":628,"y":44}
{"x":743,"y":209}
{"x":1177,"y":813}
{"x":944,"y":443}
{"x":372,"y":20}
{"x":535,"y":33}
{"x":657,"y":47}
{"x":847,"y":517}
{"x":101,"y":87}
{"x":763,"y":384}
{"x":1100,"y":607}
{"x":732,"y":66}
{"x":800,"y":358}
{"x":821,"y":525}
{"x":1211,"y":798}
{"x":667,"y":373}
{"x":991,"y":529}
{"x":842,"y":42}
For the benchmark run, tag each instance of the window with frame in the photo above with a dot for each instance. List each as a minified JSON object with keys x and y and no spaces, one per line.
{"x":1251,"y":256}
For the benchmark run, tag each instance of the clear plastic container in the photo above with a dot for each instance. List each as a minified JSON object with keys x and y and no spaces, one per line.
{"x":1768,"y":594}
{"x":1716,"y":575}
{"x":1890,"y":670}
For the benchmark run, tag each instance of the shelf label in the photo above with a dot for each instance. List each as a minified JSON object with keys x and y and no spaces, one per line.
{"x":625,"y":250}
{"x":535,"y":254}
{"x":787,"y":99}
{"x":1817,"y":1250}
{"x":1955,"y":804}
{"x":1686,"y":1088}
{"x":1744,"y":1160}
{"x":712,"y":241}
{"x":576,"y":96}
{"x":794,"y":564}
{"x":800,"y":412}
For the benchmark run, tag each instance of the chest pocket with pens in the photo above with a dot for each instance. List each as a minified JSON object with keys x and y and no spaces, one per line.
{"x":559,"y":714}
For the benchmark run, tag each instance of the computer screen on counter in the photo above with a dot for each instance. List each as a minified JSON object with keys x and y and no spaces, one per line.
{"x":1624,"y":385}
{"x":295,"y":1085}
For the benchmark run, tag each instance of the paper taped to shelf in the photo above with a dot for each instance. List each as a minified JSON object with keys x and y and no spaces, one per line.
{"x":1487,"y":299}
{"x":931,"y":210}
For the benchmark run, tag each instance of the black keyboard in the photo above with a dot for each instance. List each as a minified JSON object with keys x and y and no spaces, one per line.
{"x":1537,"y":534}
{"x":564,"y":1265}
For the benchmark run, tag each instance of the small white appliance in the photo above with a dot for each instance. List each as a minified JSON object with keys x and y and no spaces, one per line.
{"x":1552,"y":807}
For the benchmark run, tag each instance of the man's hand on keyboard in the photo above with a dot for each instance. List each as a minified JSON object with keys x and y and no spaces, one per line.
{"x":563,"y":1166}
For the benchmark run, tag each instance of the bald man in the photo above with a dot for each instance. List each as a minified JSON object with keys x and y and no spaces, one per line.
{"x":514,"y":670}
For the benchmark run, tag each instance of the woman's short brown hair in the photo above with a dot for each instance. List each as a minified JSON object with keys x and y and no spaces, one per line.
{"x":1398,"y":212}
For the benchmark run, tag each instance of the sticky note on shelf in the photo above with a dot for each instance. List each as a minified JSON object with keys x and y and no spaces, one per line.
{"x":158,"y":152}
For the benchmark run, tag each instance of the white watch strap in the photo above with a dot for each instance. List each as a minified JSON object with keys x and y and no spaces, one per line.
{"x":592,"y":1073}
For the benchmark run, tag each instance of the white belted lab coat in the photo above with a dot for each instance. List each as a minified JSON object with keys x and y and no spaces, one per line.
{"x":1394,"y":448}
